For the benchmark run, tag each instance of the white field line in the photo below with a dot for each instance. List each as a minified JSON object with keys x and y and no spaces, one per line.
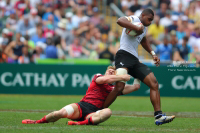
{"x":118,"y":113}
{"x":97,"y":128}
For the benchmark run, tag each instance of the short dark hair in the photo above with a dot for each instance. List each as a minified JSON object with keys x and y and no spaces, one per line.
{"x":147,"y":11}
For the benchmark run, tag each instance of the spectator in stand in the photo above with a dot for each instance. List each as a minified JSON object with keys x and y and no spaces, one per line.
{"x":39,"y":36}
{"x":126,"y":4}
{"x":161,"y":36}
{"x":25,"y":25}
{"x":3,"y":56}
{"x":6,"y":8}
{"x":83,"y":27}
{"x":87,"y":41}
{"x":164,"y":50}
{"x":76,"y":19}
{"x":11,"y":21}
{"x":34,"y":3}
{"x":194,"y":40}
{"x":106,"y":54}
{"x":68,"y":16}
{"x":25,"y":58}
{"x":103,"y":27}
{"x":150,"y":3}
{"x":180,"y":33}
{"x":59,"y":10}
{"x":39,"y":51}
{"x":163,"y":9}
{"x":41,"y":10}
{"x":179,"y":11}
{"x":89,"y":11}
{"x":21,"y":6}
{"x":185,"y":24}
{"x":96,"y":18}
{"x":135,"y":7}
{"x":34,"y":16}
{"x":76,"y":49}
{"x":174,"y":42}
{"x":174,"y":26}
{"x":179,"y":6}
{"x":14,"y":49}
{"x":103,"y":43}
{"x":4,"y":38}
{"x":67,"y":37}
{"x":115,"y":43}
{"x":51,"y":50}
{"x":49,"y":16}
{"x":166,"y":21}
{"x":168,"y":2}
{"x":196,"y":32}
{"x":156,"y":29}
{"x":183,"y":50}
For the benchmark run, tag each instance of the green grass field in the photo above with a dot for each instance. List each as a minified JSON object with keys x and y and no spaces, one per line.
{"x":130,"y":114}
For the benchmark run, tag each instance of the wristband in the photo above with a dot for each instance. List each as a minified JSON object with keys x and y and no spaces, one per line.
{"x":153,"y":53}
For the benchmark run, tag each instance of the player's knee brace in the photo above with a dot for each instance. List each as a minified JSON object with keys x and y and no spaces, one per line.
{"x":121,"y":71}
{"x":69,"y":109}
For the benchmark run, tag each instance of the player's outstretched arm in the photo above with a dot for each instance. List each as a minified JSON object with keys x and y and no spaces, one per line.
{"x":131,"y":88}
{"x":148,"y":48}
{"x":125,"y":22}
{"x":109,"y":79}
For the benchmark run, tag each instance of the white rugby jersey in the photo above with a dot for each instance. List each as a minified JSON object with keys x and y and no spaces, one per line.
{"x":130,"y":43}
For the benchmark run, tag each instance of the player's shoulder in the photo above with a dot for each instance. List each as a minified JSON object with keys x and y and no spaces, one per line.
{"x":97,"y":75}
{"x":133,"y":17}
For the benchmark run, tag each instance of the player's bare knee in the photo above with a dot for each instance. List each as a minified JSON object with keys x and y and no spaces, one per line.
{"x":108,"y":112}
{"x":155,"y":85}
{"x":57,"y":114}
{"x":63,"y":113}
{"x":105,"y":114}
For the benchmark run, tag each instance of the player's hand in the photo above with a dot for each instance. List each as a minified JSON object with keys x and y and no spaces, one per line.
{"x":156,"y":60}
{"x":126,"y":77}
{"x":140,"y":30}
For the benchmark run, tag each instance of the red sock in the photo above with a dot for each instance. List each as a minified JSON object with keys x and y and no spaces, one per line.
{"x":85,"y":122}
{"x":43,"y":120}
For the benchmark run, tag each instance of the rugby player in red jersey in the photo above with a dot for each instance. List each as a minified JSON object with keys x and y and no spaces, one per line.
{"x":90,"y":110}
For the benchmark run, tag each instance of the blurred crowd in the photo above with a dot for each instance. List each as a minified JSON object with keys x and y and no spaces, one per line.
{"x":175,"y":31}
{"x":62,"y":29}
{"x":55,"y":29}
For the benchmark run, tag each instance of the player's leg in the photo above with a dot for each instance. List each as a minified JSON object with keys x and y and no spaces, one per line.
{"x":70,"y":111}
{"x":94,"y":118}
{"x":144,"y":73}
{"x":150,"y":81}
{"x":160,"y":118}
{"x":119,"y":86}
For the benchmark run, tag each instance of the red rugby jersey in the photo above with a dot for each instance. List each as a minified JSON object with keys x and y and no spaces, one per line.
{"x":97,"y":93}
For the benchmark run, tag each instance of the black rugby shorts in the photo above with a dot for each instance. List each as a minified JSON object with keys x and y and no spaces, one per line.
{"x":136,"y":69}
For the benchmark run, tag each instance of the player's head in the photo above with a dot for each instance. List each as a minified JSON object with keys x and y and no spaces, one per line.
{"x":111,"y":70}
{"x":146,"y":17}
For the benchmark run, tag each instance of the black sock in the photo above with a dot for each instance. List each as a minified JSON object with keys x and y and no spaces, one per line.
{"x":156,"y":114}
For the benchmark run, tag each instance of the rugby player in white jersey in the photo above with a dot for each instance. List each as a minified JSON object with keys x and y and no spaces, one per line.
{"x":126,"y":61}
